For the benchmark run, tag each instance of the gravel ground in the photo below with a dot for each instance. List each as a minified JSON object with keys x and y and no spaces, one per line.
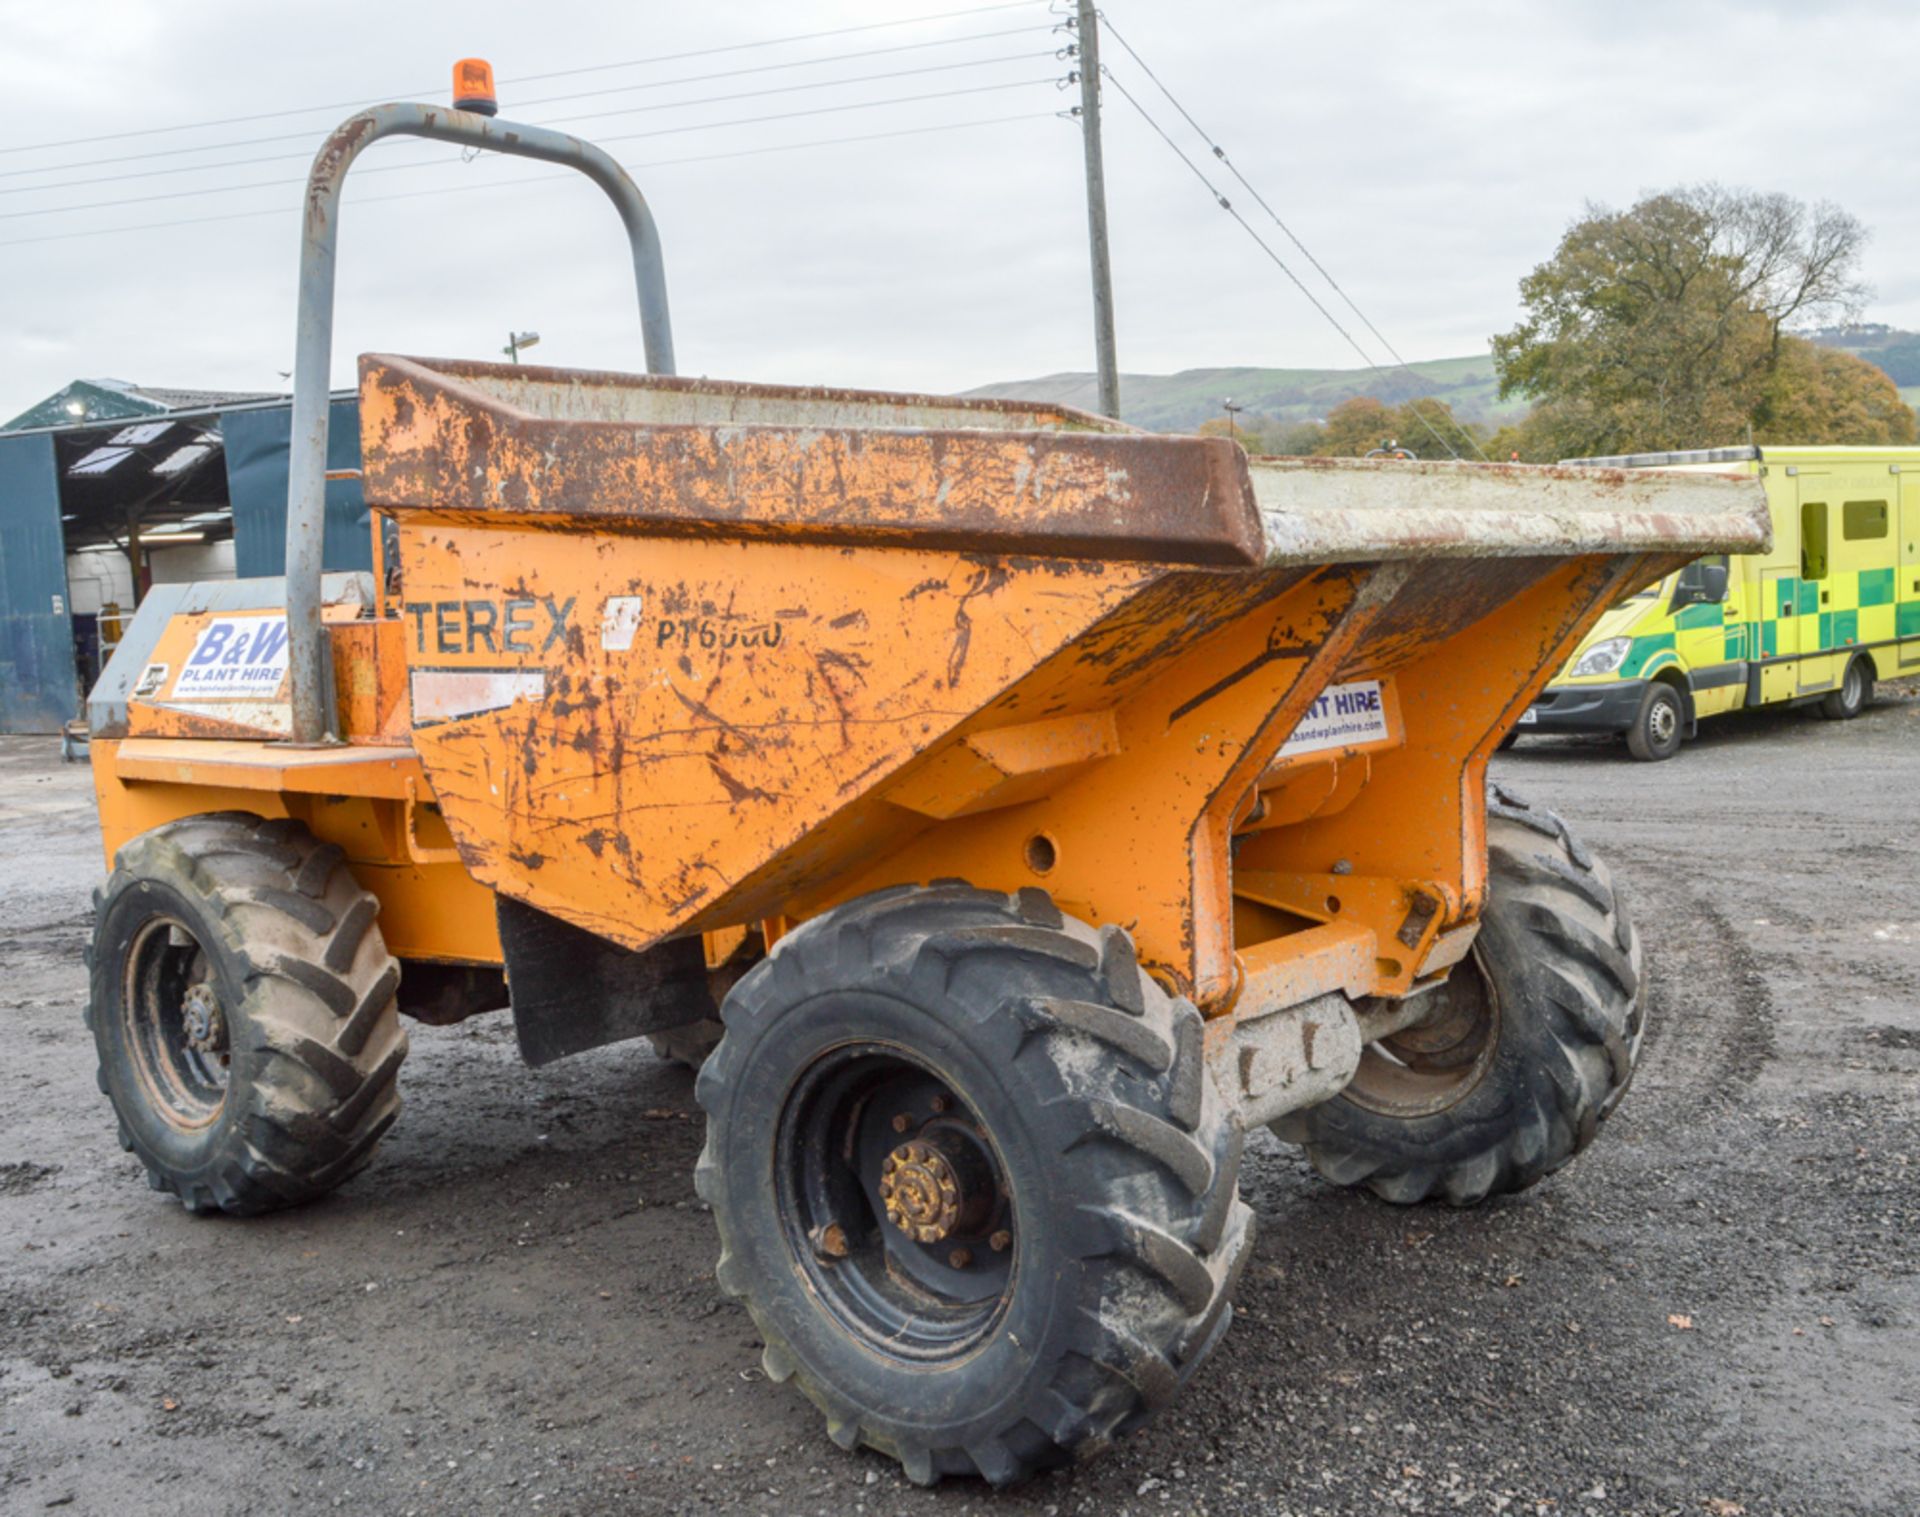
{"x":1716,"y":1310}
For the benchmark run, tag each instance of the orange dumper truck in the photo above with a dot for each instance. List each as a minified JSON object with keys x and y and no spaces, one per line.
{"x":1036,"y":804}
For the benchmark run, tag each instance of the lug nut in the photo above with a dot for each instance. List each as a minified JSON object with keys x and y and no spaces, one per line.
{"x":902,"y":1122}
{"x":1001,"y":1241}
{"x":960,"y":1258}
{"x":939,"y":1104}
{"x":831,"y":1241}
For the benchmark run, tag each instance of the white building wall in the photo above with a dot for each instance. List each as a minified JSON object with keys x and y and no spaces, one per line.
{"x":96,"y":578}
{"x":191,"y":561}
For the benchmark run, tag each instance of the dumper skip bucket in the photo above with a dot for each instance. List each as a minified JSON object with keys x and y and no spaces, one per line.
{"x":681,"y":655}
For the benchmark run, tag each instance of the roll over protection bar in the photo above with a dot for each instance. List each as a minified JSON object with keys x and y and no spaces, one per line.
{"x":310,"y":693}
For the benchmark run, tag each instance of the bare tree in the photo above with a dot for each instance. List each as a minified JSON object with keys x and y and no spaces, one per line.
{"x":1798,"y":263}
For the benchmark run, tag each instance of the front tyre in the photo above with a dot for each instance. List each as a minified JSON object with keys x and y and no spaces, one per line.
{"x":1856,"y":690}
{"x":1534,"y":1047}
{"x":242,"y":1006}
{"x":1658,"y":725}
{"x":972,"y":1179}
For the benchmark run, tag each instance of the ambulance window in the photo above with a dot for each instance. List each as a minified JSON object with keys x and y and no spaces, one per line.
{"x":1861,"y":519}
{"x":1813,"y":539}
{"x":1690,"y":589}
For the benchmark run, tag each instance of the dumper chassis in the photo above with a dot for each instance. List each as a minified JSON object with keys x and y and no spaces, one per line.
{"x":1033,"y":805}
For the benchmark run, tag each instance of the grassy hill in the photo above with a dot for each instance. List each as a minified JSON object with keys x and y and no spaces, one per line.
{"x":1895,"y":351}
{"x":1180,"y":402}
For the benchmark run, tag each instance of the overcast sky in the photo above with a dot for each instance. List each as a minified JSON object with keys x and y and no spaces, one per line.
{"x":1429,"y":153}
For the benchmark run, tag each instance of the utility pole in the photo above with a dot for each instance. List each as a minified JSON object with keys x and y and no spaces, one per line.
{"x":1089,"y":51}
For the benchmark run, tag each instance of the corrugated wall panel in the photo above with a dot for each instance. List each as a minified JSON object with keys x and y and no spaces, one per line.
{"x":257,"y":447}
{"x":38,"y":688}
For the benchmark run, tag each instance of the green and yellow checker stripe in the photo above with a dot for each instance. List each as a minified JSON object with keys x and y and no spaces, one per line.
{"x":1860,"y":610}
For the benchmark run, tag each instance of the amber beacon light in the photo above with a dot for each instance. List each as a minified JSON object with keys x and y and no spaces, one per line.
{"x":473,"y":87}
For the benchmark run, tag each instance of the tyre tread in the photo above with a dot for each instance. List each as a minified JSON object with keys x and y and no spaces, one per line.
{"x":1164,"y":1249}
{"x":1589,"y":998}
{"x":320,"y":1090}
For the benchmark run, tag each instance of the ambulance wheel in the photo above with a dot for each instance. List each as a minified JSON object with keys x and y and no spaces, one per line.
{"x":1658,"y":726}
{"x":242,"y":1005}
{"x":972,"y":1179}
{"x":1856,"y":689}
{"x":1534,"y":1046}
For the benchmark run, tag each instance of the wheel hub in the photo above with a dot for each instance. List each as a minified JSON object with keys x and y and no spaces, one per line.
{"x":201,"y":1020}
{"x":922,"y":1192}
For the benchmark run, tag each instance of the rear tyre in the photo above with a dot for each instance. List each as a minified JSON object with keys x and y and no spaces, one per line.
{"x":1658,"y":726}
{"x":1856,"y":689}
{"x":972,"y":1179}
{"x":1535,"y":1046}
{"x":242,"y":1005}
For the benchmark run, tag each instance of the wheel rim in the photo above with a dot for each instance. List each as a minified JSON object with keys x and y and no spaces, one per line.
{"x":1850,"y":690}
{"x":1663,"y":721}
{"x":894,"y":1203}
{"x":1424,"y":1070}
{"x":176,"y":1027}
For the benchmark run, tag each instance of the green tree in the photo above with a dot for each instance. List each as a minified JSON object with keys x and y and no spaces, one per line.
{"x":1354,"y":427}
{"x":1293,"y":439}
{"x":1424,"y":426}
{"x":1427,"y":426}
{"x":1824,"y":395}
{"x":1663,"y":326}
{"x":1249,"y":430}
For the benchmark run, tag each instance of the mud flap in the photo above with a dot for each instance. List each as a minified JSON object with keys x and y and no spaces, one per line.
{"x":572,"y":991}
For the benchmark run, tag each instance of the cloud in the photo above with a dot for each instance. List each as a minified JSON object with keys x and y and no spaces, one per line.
{"x":1429,"y":154}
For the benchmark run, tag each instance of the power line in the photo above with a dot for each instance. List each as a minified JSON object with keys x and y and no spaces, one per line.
{"x":736,"y":47}
{"x":668,"y":131}
{"x":1278,"y":262}
{"x":620,"y":89}
{"x":789,"y":89}
{"x":632,"y":110}
{"x":1221,"y":153}
{"x":345,"y":105}
{"x":792,"y":63}
{"x":493,"y":184}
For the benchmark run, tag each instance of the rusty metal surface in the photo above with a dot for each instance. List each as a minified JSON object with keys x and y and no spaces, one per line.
{"x":666,"y":400}
{"x":433,"y":443}
{"x":630,"y":774}
{"x":836,"y":465}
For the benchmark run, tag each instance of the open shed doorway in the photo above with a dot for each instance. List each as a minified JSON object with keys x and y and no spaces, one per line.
{"x":93,"y":514}
{"x":141,"y":503}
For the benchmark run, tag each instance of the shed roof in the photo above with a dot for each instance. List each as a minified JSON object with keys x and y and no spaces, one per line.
{"x":82,"y":401}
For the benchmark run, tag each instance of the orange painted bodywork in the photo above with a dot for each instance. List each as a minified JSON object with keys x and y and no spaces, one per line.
{"x":356,"y":797}
{"x":668,"y":657}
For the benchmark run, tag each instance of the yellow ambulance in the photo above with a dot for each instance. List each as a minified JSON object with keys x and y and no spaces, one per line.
{"x":1832,"y":607}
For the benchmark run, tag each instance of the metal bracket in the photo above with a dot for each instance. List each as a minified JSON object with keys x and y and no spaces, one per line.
{"x":418,"y":851}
